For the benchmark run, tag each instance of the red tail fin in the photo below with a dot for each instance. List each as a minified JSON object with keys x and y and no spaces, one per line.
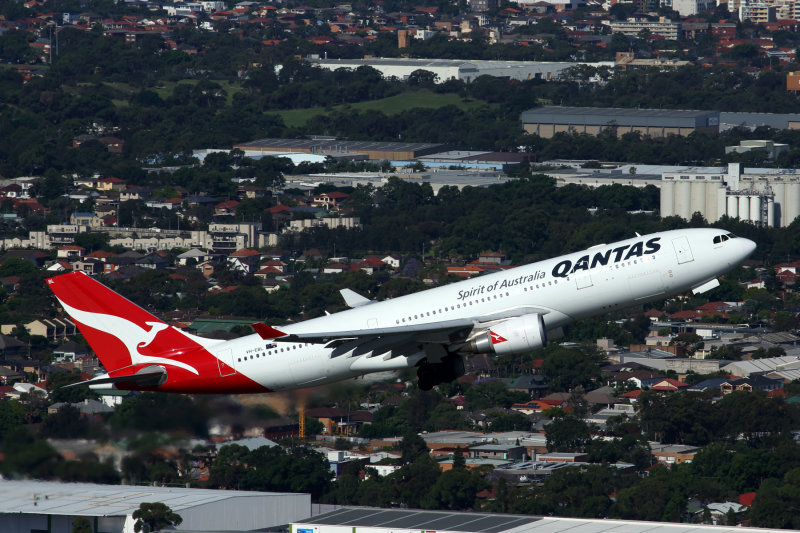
{"x":120,"y":332}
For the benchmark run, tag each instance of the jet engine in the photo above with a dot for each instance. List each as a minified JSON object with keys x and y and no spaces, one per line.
{"x":519,"y":334}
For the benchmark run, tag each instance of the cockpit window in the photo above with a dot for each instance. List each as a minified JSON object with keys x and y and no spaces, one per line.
{"x":722,"y":238}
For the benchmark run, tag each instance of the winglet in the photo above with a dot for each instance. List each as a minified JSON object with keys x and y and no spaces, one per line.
{"x":267,"y":332}
{"x":353,"y":299}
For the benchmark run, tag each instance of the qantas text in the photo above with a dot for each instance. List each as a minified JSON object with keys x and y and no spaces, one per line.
{"x":615,"y":255}
{"x":566,"y":267}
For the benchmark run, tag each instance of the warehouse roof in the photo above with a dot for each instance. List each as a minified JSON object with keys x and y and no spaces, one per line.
{"x":601,"y":116}
{"x":422,"y":520}
{"x":761,"y":366}
{"x":441,"y":521}
{"x":86,"y":499}
{"x":338,"y":145}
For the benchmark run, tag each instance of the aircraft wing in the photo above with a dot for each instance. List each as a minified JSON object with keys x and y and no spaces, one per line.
{"x":422,"y":332}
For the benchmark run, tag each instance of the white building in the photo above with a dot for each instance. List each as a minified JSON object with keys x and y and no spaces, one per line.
{"x":446,"y":69}
{"x":687,"y":8}
{"x":632,"y":27}
{"x":769,"y":197}
{"x":27,"y":506}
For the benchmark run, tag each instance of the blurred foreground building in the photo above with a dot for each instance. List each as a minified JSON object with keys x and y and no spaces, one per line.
{"x":27,"y":506}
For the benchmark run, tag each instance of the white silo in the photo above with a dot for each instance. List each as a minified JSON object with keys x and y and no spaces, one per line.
{"x":667,"y":198}
{"x":779,"y":190}
{"x":683,"y":199}
{"x":722,"y":204}
{"x":698,"y":197}
{"x":744,"y":207}
{"x":755,"y":209}
{"x":791,"y":208}
{"x":733,"y":206}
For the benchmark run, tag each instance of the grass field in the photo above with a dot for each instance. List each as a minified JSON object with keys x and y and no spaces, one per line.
{"x":298,"y":117}
{"x":390,"y":106}
{"x":164,"y":90}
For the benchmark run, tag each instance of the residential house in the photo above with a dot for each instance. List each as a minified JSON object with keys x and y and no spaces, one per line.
{"x":70,"y":351}
{"x":70,"y":252}
{"x":89,"y":266}
{"x":195,"y":254}
{"x":227,"y":207}
{"x":533,"y":384}
{"x":37,"y":257}
{"x":330,"y":201}
{"x":370,"y":265}
{"x":750,"y":384}
{"x":85,"y":219}
{"x":110,"y":184}
{"x":8,"y":375}
{"x":244,"y":260}
{"x":673,"y":453}
{"x":59,"y":266}
{"x":498,"y":451}
{"x":152,"y":261}
{"x":337,"y":421}
{"x":668,"y":385}
{"x":10,"y":347}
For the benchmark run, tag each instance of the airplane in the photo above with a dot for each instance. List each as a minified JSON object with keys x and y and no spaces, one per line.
{"x":434,"y":330}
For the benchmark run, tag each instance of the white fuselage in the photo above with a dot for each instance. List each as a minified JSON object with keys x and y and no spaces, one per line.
{"x":563,"y":289}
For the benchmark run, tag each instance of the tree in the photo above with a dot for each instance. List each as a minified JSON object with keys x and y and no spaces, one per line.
{"x":454,"y":490}
{"x":458,"y":459}
{"x":81,"y":525}
{"x":412,"y":447}
{"x":153,"y":517}
{"x":11,"y":417}
{"x":567,"y":434}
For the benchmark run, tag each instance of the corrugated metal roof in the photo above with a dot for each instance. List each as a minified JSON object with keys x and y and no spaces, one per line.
{"x":758,"y":366}
{"x":86,"y":499}
{"x":603,"y":116}
{"x":339,"y":145}
{"x":393,"y":519}
{"x":423,"y":520}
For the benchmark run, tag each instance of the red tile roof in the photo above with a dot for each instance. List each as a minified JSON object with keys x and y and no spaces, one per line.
{"x":244,"y":252}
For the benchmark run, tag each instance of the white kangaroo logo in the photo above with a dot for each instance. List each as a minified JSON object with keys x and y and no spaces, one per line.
{"x":130,"y":334}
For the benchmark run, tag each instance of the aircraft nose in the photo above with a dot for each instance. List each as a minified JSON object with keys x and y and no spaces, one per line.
{"x":747,"y":248}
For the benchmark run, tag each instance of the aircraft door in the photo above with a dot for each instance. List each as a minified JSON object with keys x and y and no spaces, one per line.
{"x":682,"y":250}
{"x":225,"y":363}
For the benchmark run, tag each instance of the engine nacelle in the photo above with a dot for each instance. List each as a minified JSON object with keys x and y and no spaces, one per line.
{"x":515,"y":335}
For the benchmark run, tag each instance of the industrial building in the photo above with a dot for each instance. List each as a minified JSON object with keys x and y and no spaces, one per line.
{"x":548,"y":120}
{"x":457,"y":69}
{"x":751,"y":121}
{"x":772,"y":148}
{"x":27,"y":506}
{"x":378,"y":151}
{"x":366,"y":520}
{"x":766,"y":197}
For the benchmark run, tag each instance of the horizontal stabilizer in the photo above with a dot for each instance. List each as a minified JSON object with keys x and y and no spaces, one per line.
{"x":267,"y":332}
{"x":150,"y":376}
{"x":353,"y":299}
